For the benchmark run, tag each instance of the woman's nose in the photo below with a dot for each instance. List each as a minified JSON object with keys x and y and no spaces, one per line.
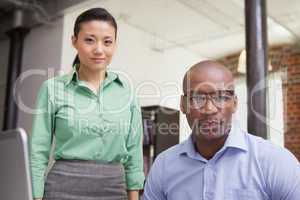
{"x":98,"y":49}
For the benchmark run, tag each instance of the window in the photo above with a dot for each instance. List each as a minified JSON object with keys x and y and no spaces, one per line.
{"x":274,"y":107}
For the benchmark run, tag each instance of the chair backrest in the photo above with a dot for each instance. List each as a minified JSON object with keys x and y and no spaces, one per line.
{"x":15,"y":179}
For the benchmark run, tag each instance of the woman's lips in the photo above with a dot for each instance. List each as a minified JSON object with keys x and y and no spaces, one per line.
{"x":98,"y":60}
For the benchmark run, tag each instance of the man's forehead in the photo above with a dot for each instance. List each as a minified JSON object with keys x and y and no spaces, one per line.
{"x":208,"y":75}
{"x":208,"y":86}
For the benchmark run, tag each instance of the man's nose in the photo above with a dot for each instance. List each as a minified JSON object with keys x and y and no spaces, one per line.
{"x":209,"y":107}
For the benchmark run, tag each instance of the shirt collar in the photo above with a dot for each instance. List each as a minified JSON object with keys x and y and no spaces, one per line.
{"x":236,"y":139}
{"x":72,"y":76}
{"x":110,"y":77}
{"x":188,"y":147}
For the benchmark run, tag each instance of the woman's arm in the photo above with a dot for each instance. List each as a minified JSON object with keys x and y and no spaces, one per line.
{"x":134,"y":173}
{"x":41,"y":139}
{"x":133,"y":194}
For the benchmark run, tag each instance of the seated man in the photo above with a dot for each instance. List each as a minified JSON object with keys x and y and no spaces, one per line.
{"x":220,"y":161}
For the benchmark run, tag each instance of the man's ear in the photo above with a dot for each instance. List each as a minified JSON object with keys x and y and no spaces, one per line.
{"x":235,"y":104}
{"x":182,"y":105}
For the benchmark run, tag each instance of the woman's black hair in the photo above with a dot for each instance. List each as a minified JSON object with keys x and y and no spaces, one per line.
{"x":93,"y":14}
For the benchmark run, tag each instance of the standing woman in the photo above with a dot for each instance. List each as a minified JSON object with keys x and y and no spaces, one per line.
{"x":96,"y":122}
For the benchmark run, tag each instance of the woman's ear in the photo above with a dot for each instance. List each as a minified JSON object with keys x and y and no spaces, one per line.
{"x":74,"y":39}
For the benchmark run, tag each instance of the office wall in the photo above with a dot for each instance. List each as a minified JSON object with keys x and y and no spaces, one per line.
{"x":41,"y":60}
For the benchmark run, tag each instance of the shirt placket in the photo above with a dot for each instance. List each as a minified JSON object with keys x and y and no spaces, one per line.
{"x":99,"y":116}
{"x":208,"y":182}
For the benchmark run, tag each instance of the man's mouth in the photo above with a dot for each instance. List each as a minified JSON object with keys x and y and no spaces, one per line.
{"x":210,"y":127}
{"x":210,"y":123}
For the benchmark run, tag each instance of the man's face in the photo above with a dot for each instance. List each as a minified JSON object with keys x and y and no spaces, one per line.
{"x":209,"y":103}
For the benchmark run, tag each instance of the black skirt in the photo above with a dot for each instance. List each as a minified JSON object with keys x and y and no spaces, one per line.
{"x":85,"y":180}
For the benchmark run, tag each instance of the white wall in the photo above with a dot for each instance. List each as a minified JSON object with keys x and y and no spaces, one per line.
{"x":156,"y":75}
{"x":41,"y":60}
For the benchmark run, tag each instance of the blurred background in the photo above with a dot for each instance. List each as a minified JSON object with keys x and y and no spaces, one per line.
{"x":158,"y":40}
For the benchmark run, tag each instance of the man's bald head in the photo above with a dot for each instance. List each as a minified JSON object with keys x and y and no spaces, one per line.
{"x":208,"y":71}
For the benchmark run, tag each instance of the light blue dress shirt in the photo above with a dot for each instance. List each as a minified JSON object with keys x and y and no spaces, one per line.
{"x":245,"y":168}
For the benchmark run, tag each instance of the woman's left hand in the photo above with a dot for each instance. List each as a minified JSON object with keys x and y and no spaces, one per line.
{"x":133,"y":194}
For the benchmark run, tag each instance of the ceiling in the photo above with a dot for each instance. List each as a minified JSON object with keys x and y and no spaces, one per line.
{"x":208,"y":28}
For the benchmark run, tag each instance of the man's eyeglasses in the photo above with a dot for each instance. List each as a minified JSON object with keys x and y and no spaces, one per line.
{"x":219,"y":98}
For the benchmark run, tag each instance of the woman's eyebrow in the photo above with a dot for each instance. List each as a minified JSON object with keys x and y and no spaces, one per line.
{"x":90,"y":35}
{"x":108,"y":37}
{"x":94,"y":36}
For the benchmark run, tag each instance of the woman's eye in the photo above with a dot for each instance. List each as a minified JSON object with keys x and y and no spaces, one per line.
{"x":108,"y":42}
{"x":89,"y":40}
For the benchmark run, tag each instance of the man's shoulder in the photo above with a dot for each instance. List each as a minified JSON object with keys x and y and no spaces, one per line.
{"x":261,"y":145}
{"x":171,"y":153}
{"x":267,"y":152}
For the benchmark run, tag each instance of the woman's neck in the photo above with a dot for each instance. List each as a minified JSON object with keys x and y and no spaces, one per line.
{"x":92,"y":78}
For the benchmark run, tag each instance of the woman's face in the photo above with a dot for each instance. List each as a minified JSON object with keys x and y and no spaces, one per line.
{"x":95,"y":44}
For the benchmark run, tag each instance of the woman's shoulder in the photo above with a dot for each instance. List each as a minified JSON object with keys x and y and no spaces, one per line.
{"x":121,"y":78}
{"x":54,"y":84}
{"x":58,"y":79}
{"x":126,"y":88}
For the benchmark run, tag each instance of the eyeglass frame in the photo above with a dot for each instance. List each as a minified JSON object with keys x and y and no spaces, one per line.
{"x":208,"y":96}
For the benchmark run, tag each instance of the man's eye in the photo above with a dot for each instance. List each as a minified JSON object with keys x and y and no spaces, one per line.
{"x":222,"y":98}
{"x":199,"y":98}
